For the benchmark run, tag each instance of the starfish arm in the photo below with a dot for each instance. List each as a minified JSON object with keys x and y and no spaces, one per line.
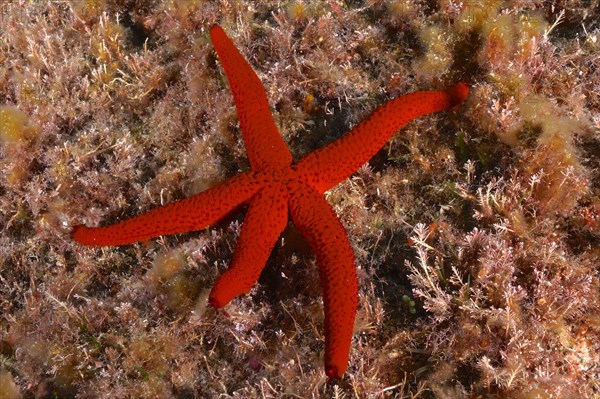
{"x":264,"y":145}
{"x":318,"y":223}
{"x":266,"y":218}
{"x":335,"y":162}
{"x":189,"y":214}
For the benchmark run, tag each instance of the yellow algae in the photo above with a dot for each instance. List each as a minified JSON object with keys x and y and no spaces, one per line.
{"x":13,"y":123}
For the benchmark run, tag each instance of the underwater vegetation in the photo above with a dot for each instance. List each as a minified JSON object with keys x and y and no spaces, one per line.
{"x":475,"y":233}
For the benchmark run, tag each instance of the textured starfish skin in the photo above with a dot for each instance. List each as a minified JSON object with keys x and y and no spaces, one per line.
{"x":276,"y":188}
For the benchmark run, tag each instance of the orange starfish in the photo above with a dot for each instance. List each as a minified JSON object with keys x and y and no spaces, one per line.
{"x":275,"y":187}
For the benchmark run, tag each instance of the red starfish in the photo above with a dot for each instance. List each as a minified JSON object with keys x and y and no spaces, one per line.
{"x":275,"y":187}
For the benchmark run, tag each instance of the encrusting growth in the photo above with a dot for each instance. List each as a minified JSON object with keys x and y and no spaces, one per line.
{"x":276,"y":188}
